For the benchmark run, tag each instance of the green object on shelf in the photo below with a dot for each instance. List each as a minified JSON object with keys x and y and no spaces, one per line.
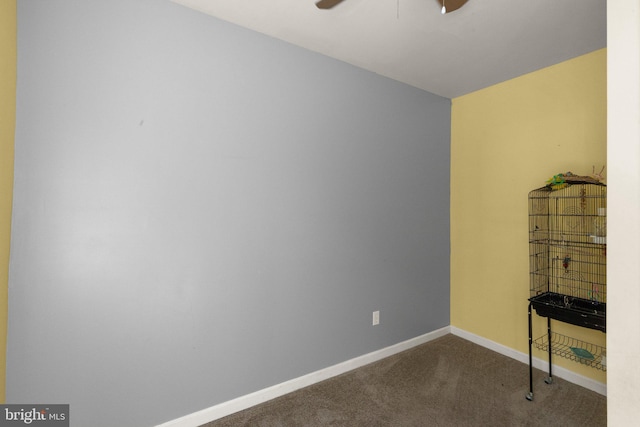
{"x":581,"y":352}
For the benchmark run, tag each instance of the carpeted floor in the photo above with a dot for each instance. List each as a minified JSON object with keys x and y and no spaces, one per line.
{"x":446,"y":382}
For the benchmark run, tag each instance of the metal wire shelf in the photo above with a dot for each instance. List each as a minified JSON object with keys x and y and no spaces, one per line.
{"x":573,"y":349}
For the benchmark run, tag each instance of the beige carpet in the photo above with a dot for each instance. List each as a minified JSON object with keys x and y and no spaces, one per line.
{"x":446,"y":382}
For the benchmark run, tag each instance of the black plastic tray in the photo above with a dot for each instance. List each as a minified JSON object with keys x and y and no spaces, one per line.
{"x":568,"y":309}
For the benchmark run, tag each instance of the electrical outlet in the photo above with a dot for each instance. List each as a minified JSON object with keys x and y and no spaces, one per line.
{"x":376,"y":318}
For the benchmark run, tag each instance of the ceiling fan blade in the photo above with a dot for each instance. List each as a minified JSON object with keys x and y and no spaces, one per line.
{"x":327,"y":4}
{"x":451,"y":5}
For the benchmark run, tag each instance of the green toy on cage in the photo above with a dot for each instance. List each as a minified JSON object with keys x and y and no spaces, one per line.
{"x":557,"y":182}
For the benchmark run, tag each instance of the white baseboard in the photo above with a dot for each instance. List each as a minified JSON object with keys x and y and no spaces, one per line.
{"x":244,"y":402}
{"x":543,"y":365}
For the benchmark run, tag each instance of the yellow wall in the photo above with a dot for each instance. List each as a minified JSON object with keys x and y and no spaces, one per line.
{"x":7,"y":129}
{"x":505,"y":141}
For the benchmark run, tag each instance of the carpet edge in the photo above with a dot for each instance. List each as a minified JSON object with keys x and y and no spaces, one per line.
{"x":252,"y":399}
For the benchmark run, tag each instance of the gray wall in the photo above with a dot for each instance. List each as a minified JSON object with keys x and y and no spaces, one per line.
{"x":201,"y":211}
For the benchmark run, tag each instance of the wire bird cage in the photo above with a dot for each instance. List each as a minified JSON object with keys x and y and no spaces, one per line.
{"x":567,"y":253}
